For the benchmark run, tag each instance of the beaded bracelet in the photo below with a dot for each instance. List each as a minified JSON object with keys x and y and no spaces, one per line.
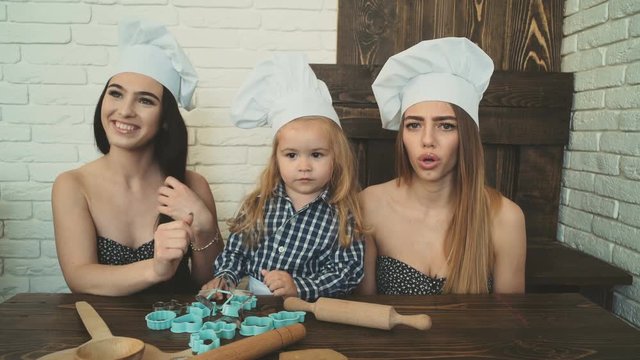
{"x":214,"y":240}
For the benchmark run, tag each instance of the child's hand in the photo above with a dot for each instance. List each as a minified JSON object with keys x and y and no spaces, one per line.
{"x":280,"y":283}
{"x":217,"y":283}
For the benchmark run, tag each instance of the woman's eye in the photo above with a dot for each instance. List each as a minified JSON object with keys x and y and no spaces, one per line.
{"x":146,"y":101}
{"x":115,"y":93}
{"x":447,"y":126}
{"x":412,"y":125}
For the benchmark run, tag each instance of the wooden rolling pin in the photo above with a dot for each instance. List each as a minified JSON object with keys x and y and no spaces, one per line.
{"x":257,"y":346}
{"x":357,"y":313}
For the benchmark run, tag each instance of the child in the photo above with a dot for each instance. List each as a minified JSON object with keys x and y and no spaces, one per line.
{"x":299,"y":231}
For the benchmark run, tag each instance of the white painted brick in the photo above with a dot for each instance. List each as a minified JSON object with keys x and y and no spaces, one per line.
{"x":594,"y":120}
{"x":9,"y":54}
{"x":629,"y":214}
{"x":15,"y":133}
{"x":296,"y":20}
{"x":29,"y":229}
{"x":595,"y":162}
{"x":569,"y":44}
{"x":3,"y":17}
{"x":575,"y":218}
{"x":22,"y":267}
{"x":64,"y":54}
{"x":38,"y":152}
{"x":286,"y":4}
{"x":618,"y":188}
{"x":217,"y":97}
{"x":321,"y":56}
{"x":593,"y":204}
{"x":225,"y":58}
{"x":229,"y":192}
{"x":626,"y":97}
{"x":47,"y":114}
{"x":214,"y":18}
{"x":282,"y":41}
{"x":634,"y":26}
{"x":588,"y":100}
{"x":259,"y":155}
{"x":216,"y":4}
{"x":209,"y":117}
{"x":632,"y":290}
{"x":13,"y":171}
{"x":630,"y":167}
{"x":623,"y":52}
{"x":67,"y":134}
{"x":25,"y":191}
{"x":626,"y":259}
{"x":46,"y":172}
{"x":607,"y":33}
{"x":564,"y":196}
{"x":230,"y":174}
{"x":143,"y":2}
{"x":42,"y":210}
{"x":207,"y":38}
{"x":588,"y":243}
{"x":585,"y":19}
{"x":48,"y":284}
{"x":571,"y":7}
{"x":212,"y":155}
{"x":585,"y":4}
{"x":34,"y":33}
{"x":586,"y":141}
{"x":235,"y":136}
{"x":329,"y":42}
{"x":88,"y":153}
{"x":633,"y":73}
{"x":599,"y":78}
{"x":626,"y":308}
{"x":94,"y":34}
{"x":1,"y":229}
{"x":583,"y":60}
{"x":99,"y":75}
{"x":331,"y":4}
{"x":64,"y":95}
{"x":222,"y":78}
{"x":13,"y":94}
{"x":100,"y":2}
{"x":14,"y":210}
{"x":227,"y":210}
{"x":48,"y":248}
{"x":19,"y":248}
{"x":621,"y":143}
{"x":616,"y":232}
{"x":621,"y":8}
{"x":112,"y":14}
{"x":50,"y":13}
{"x":38,"y":74}
{"x":578,"y":180}
{"x":11,"y":285}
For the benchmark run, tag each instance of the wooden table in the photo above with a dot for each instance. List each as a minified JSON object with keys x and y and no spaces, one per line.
{"x":532,"y":326}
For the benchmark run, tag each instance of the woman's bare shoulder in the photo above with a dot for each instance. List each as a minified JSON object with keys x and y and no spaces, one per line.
{"x":508,"y":224}
{"x":375,"y":193}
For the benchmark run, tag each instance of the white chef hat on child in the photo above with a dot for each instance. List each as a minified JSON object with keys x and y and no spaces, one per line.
{"x":454,"y":70}
{"x":148,"y":48}
{"x":279,"y":90}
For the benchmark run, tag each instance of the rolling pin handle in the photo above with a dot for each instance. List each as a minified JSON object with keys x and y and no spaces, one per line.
{"x":420,"y":322}
{"x":297,"y":304}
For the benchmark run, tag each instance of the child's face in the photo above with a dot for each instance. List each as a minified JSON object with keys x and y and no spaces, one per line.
{"x":304,"y":157}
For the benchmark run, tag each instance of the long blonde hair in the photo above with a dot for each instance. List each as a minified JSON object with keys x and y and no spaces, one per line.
{"x":343,"y":187}
{"x":468,"y":242}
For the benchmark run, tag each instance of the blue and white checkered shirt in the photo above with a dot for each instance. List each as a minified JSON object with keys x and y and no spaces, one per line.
{"x":305,"y":244}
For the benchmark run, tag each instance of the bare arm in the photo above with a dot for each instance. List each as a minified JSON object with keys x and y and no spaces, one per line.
{"x":75,"y":237}
{"x":510,"y":245}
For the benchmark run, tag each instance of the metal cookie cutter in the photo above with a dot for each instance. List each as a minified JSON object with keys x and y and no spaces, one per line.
{"x":171,"y":305}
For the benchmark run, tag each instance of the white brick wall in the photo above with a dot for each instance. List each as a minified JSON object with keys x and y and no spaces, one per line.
{"x":55,"y":58}
{"x":600,"y":211}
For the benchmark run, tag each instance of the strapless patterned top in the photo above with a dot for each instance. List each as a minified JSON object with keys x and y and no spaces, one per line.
{"x":111,"y":252}
{"x":394,"y":277}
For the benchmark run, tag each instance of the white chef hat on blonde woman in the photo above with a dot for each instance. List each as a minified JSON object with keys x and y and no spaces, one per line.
{"x":148,"y":48}
{"x":454,"y":70}
{"x":279,"y":90}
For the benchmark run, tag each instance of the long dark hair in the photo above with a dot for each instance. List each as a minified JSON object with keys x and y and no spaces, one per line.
{"x":170,"y":143}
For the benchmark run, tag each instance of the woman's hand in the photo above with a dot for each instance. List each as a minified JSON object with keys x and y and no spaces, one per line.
{"x":177,"y":200}
{"x":171,"y":241}
{"x":280,"y":283}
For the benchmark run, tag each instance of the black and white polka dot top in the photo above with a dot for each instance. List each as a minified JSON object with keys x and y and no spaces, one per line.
{"x":111,"y":252}
{"x":394,"y":277}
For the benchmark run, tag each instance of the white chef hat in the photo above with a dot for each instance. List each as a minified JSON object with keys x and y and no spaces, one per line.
{"x":279,"y":90}
{"x":148,"y":48}
{"x":454,"y":70}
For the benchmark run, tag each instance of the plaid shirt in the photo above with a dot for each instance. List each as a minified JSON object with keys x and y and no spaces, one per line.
{"x":305,"y":244}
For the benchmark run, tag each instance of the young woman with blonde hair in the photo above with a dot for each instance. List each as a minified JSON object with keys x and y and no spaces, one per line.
{"x":437,"y":228}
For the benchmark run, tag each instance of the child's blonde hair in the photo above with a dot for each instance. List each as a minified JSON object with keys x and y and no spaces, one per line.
{"x":343,"y":187}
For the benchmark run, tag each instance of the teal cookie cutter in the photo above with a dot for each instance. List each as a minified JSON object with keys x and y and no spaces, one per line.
{"x":231,"y":308}
{"x":256,"y":325}
{"x":160,"y":319}
{"x":286,"y":318}
{"x":203,"y":341}
{"x":186,"y":323}
{"x":200,"y":309}
{"x":222,"y":329}
{"x":247,"y":302}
